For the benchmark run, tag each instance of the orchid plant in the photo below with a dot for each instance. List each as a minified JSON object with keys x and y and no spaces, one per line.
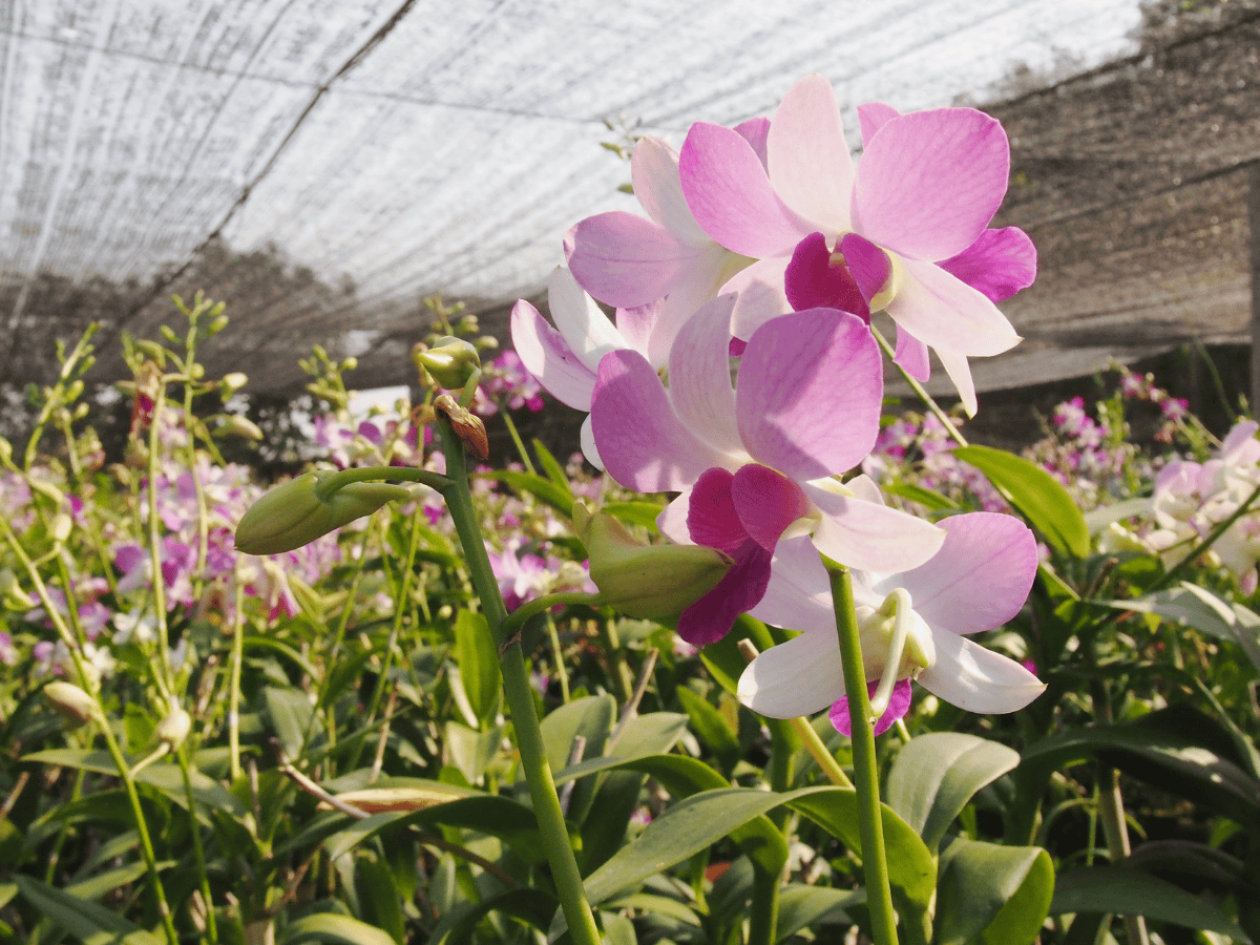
{"x":784,"y":663}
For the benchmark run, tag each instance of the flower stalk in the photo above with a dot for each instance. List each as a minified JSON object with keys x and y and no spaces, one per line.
{"x":520,"y":698}
{"x":865,"y":768}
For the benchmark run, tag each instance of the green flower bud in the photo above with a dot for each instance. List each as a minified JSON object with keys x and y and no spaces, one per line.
{"x":450,"y":362}
{"x":229,"y":384}
{"x":12,"y":597}
{"x":72,"y":703}
{"x":173,"y":729}
{"x":646,"y":581}
{"x":235,"y":425}
{"x":295,"y":514}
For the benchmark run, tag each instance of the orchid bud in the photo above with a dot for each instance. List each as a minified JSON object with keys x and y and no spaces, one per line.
{"x":12,"y":597}
{"x":451,"y":362}
{"x":71,"y":703}
{"x":233,"y":424}
{"x":295,"y":514}
{"x":173,"y":729}
{"x":469,"y":427}
{"x":646,"y":581}
{"x":229,"y":384}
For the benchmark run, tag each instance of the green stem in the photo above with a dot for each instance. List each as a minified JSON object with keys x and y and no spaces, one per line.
{"x":763,"y":917}
{"x":818,"y":751}
{"x":212,"y":928}
{"x":520,"y":698}
{"x":520,"y":445}
{"x":865,"y":768}
{"x":234,"y":680}
{"x":920,"y":391}
{"x":517,"y":619}
{"x":554,"y":635}
{"x":88,"y":683}
{"x":327,"y":485}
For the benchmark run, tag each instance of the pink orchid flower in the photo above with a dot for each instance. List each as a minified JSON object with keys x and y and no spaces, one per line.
{"x":753,"y":460}
{"x":628,"y":261}
{"x":564,"y":359}
{"x":909,"y":224}
{"x":978,"y":580}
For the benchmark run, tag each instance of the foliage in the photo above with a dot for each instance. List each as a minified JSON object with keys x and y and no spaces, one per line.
{"x":351,"y":773}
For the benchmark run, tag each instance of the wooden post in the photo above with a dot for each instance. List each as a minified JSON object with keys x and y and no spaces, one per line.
{"x":1253,"y":218}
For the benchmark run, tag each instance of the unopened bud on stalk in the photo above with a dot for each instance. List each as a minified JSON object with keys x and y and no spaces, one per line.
{"x":12,"y":597}
{"x":235,"y":425}
{"x":646,"y":581}
{"x":229,"y":384}
{"x":71,"y":703}
{"x":451,"y":362}
{"x":295,"y":514}
{"x":173,"y":729}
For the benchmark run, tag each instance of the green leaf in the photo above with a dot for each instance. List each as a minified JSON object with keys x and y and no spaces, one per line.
{"x":1178,"y":749}
{"x":291,"y":715}
{"x":1124,"y":891}
{"x":1203,"y":610}
{"x":497,"y":816}
{"x":930,"y":500}
{"x":911,"y":866}
{"x":338,"y":929}
{"x":378,"y":900}
{"x":89,"y":922}
{"x":693,"y":824}
{"x":478,"y":661}
{"x":992,"y":894}
{"x":166,"y":778}
{"x":96,"y":886}
{"x":635,"y":513}
{"x":557,"y":497}
{"x":1036,"y":495}
{"x":555,"y":472}
{"x":533,"y":906}
{"x":936,"y":775}
{"x":805,"y":907}
{"x":711,"y":727}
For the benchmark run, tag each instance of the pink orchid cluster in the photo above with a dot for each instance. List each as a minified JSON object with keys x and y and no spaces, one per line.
{"x":741,"y":373}
{"x":507,"y":381}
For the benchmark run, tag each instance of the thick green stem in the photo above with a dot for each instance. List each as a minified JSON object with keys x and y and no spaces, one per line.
{"x":865,"y":768}
{"x":517,"y":619}
{"x":520,"y":698}
{"x":327,"y":485}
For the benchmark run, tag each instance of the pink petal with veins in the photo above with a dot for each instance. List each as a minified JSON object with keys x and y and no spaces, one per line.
{"x":868,"y":263}
{"x":998,"y":264}
{"x":930,"y":182}
{"x":809,"y":161}
{"x":979,"y":579}
{"x":731,"y":197}
{"x":625,"y":260}
{"x":873,"y":116}
{"x":870,"y":536}
{"x":641,"y":441}
{"x":547,"y":356}
{"x":967,"y":675}
{"x":766,"y":502}
{"x":942,"y":311}
{"x":810,"y":392}
{"x":700,"y":377}
{"x":654,"y":173}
